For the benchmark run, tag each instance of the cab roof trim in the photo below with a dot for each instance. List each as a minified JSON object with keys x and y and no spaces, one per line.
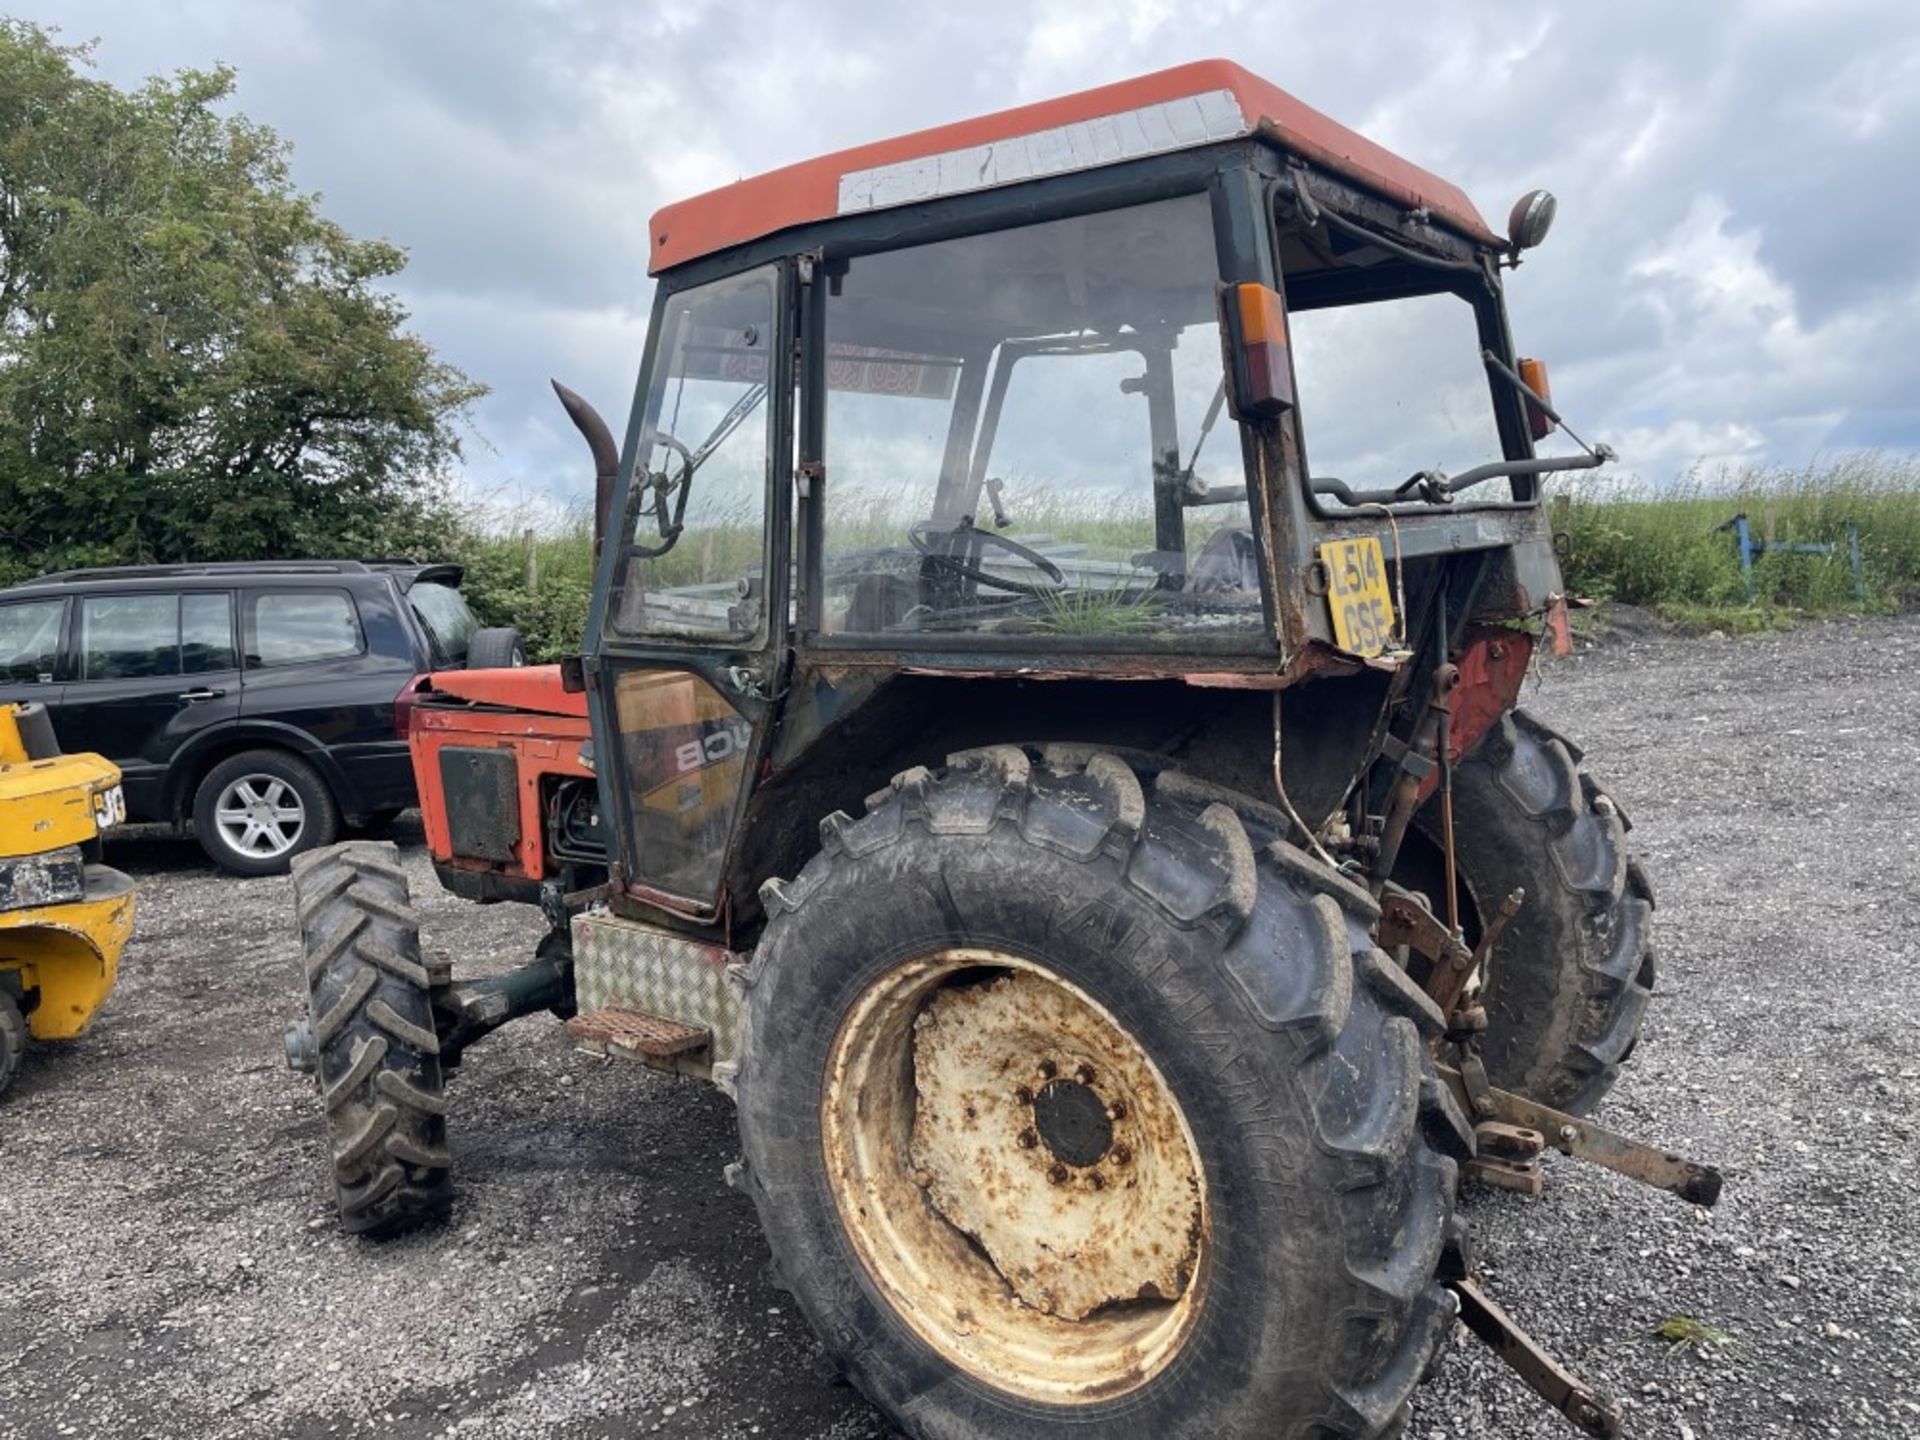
{"x":1203,"y":103}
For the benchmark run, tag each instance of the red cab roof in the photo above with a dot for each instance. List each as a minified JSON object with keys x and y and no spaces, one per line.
{"x":1175,"y":109}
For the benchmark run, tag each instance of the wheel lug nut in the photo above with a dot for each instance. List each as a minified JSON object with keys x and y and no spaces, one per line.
{"x":1084,"y":1074}
{"x":1121,"y":1154}
{"x":1117,"y":1110}
{"x":1097,"y":1180}
{"x":1058,"y":1173}
{"x":1024,"y":1095}
{"x":1048,"y":1069}
{"x":1028,"y":1139}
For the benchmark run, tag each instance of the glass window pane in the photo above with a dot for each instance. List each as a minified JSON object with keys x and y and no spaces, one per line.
{"x":685,"y":751}
{"x":443,"y":610}
{"x":1392,"y":388}
{"x":129,"y":637}
{"x":30,"y":639}
{"x":1024,"y":437}
{"x":206,"y":633}
{"x":698,"y":510}
{"x":293,"y":626}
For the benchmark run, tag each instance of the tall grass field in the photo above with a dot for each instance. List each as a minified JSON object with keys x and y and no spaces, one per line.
{"x":1668,"y":549}
{"x":1665,"y":548}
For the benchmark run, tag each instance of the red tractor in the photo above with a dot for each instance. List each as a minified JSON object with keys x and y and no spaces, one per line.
{"x":1094,"y":844}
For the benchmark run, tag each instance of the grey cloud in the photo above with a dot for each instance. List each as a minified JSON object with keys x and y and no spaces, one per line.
{"x":1733,"y":274}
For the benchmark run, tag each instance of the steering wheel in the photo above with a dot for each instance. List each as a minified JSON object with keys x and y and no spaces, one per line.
{"x":666,"y":488}
{"x":922,"y":532}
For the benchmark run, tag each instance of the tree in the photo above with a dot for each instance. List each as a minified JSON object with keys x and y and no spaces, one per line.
{"x":194,"y":362}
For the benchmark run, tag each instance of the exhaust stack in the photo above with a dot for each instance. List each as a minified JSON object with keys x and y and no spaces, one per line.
{"x":606,"y":456}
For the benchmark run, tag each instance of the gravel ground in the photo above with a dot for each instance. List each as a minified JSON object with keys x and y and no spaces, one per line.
{"x":169,"y":1267}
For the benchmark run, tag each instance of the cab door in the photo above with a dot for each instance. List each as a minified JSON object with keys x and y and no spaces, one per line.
{"x":691,"y":620}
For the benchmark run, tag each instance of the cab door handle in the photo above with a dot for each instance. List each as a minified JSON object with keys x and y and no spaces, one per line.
{"x":202,"y":694}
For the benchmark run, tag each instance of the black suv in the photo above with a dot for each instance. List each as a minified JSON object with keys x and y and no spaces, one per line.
{"x":265,"y":703}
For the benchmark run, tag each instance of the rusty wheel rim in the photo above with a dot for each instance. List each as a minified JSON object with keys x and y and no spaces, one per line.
{"x":1016,"y":1176}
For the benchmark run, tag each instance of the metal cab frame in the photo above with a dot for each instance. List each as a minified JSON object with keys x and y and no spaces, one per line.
{"x":1478,"y":559}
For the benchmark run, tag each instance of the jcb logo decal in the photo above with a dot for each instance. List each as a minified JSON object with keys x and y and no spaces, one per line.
{"x":710,"y":749}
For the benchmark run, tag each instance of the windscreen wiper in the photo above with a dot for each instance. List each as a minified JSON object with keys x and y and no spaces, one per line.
{"x":670,"y":492}
{"x":1435,"y":487}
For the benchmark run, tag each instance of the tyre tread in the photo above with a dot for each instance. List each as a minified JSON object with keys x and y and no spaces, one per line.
{"x":1602,"y":982}
{"x":1203,"y":863}
{"x":370,"y":1009}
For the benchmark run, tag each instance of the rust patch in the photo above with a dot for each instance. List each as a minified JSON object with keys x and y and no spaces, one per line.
{"x":1078,"y":1206}
{"x":642,"y":1034}
{"x":899,"y":1147}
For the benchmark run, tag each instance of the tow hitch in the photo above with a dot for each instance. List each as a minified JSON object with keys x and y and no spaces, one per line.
{"x":1511,"y":1133}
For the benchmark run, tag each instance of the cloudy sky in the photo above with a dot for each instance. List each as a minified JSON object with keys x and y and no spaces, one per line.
{"x":1734,"y":276}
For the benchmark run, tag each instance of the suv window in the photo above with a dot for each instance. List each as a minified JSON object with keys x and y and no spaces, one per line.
{"x":443,"y":610}
{"x":291,"y":626}
{"x":30,"y":639}
{"x":206,"y":633}
{"x":129,"y":637}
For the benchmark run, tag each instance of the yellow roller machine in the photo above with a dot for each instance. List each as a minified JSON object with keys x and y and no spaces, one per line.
{"x":63,"y":921}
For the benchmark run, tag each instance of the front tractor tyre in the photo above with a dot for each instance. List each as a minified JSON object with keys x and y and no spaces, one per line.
{"x":1571,"y":976}
{"x":370,"y":1038}
{"x":1076,"y":1101}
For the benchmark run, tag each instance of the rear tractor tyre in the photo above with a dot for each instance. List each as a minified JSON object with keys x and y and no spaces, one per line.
{"x":371,"y":1033}
{"x":1073,"y":1102}
{"x":13,"y":1039}
{"x":1573,"y":973}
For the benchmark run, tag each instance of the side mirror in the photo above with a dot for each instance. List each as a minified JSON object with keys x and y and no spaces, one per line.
{"x":1530,"y":219}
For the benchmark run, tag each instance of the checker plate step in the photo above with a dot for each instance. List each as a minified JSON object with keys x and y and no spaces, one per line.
{"x":643,"y":1034}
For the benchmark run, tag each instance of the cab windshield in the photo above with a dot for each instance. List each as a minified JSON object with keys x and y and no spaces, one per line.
{"x":1025,"y":437}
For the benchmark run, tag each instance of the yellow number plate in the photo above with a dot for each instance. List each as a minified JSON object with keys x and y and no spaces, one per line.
{"x":1358,"y":597}
{"x":109,"y":806}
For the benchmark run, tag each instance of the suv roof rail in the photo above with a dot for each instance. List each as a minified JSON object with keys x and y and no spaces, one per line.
{"x":209,"y":567}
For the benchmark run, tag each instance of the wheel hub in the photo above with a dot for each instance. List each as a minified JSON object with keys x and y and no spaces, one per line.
{"x":1042,"y":1132}
{"x":1016,"y":1175}
{"x":260,"y":815}
{"x":1073,"y":1121}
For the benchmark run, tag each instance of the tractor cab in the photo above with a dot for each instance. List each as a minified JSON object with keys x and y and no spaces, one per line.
{"x":1035,"y":395}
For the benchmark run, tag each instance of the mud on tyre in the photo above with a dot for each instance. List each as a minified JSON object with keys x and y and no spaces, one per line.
{"x":1210,"y":1000}
{"x":1573,"y":973}
{"x":371,"y":1017}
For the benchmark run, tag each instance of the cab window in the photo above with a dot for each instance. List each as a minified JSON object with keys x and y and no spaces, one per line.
{"x":693,"y":563}
{"x":1026,"y":436}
